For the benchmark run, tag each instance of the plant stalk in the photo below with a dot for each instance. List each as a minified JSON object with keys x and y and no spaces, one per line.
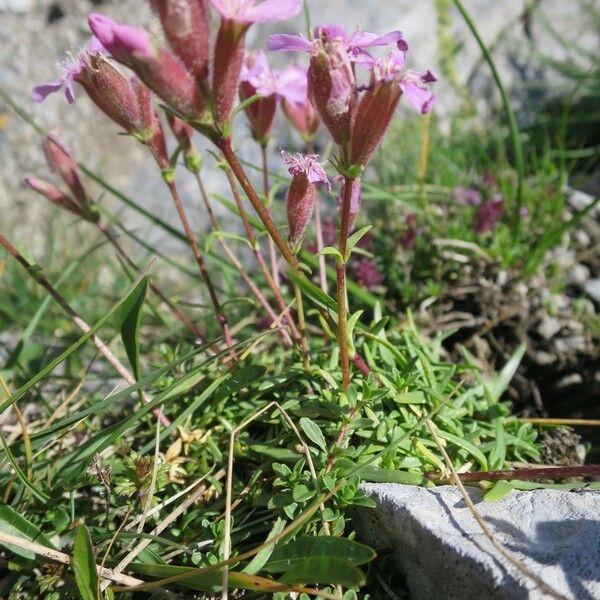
{"x":260,"y":259}
{"x":201,"y":264}
{"x":341,"y":283}
{"x":310,"y":149}
{"x":266,"y":189}
{"x":235,"y":261}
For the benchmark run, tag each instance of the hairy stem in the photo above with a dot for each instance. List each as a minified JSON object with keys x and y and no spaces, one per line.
{"x":235,"y":261}
{"x":260,"y":259}
{"x":302,"y":325}
{"x":310,"y":149}
{"x":224,"y":144}
{"x":201,"y":264}
{"x":341,"y":283}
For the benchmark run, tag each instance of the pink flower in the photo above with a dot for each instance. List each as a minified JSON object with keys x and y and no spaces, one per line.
{"x":332,"y":84}
{"x":297,"y":107}
{"x":255,"y":11}
{"x":158,"y":68}
{"x":412,"y":232}
{"x":467,"y":196}
{"x":71,"y":68}
{"x":186,"y":24}
{"x":488,"y":214}
{"x":306,"y":172}
{"x":121,"y":41}
{"x":367,"y":274}
{"x":258,"y":78}
{"x":356,"y":44}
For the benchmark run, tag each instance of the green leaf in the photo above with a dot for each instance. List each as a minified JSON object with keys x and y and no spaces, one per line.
{"x":84,"y":565}
{"x":498,"y":491}
{"x":326,"y":570}
{"x":70,"y":350}
{"x":320,"y":547}
{"x":331,"y":251}
{"x":416,"y":397}
{"x":259,"y":561}
{"x":377,"y":475}
{"x":13,"y":523}
{"x":355,"y":238}
{"x":130,"y":316}
{"x":467,"y":446}
{"x":301,"y":493}
{"x":498,"y":385}
{"x":313,"y":433}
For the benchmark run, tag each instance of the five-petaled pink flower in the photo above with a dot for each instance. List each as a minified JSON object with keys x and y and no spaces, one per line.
{"x":273,"y":85}
{"x":306,"y":173}
{"x":356,"y":44}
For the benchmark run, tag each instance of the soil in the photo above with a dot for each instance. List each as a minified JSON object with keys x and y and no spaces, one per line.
{"x":493,"y":311}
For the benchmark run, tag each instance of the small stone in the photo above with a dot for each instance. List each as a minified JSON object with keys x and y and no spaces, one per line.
{"x":569,"y":380}
{"x":579,"y":200}
{"x":577,"y":275}
{"x":592,"y":289}
{"x":543,"y":358}
{"x":549,"y":327}
{"x":16,"y":6}
{"x":443,"y":553}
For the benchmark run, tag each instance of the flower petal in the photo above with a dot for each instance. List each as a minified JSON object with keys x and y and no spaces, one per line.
{"x":283,"y":41}
{"x":418,"y":94}
{"x":273,"y":10}
{"x":42,"y":91}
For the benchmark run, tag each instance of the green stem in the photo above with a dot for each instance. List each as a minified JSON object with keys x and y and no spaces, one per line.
{"x":512,"y":121}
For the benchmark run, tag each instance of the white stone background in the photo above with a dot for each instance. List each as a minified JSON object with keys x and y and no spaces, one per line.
{"x":31,"y":48}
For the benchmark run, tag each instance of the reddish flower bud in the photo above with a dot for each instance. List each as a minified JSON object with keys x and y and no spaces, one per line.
{"x":61,"y":161}
{"x":52,"y":193}
{"x":227,"y":67}
{"x":303,"y":117}
{"x":158,"y":68}
{"x":331,"y":83}
{"x":152,"y":134}
{"x":260,"y":113}
{"x":488,"y":214}
{"x":376,"y":108}
{"x":111,"y":92}
{"x":307,"y":172}
{"x":186,"y":27}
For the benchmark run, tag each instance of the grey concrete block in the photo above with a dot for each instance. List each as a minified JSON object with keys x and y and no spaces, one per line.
{"x":443,"y":553}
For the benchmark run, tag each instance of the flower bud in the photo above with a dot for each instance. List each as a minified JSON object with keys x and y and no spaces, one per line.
{"x":152,"y":134}
{"x":260,"y":113}
{"x":303,"y":118}
{"x":111,"y":92}
{"x":227,"y":67}
{"x":158,"y":68}
{"x":376,"y":108}
{"x":331,"y":84}
{"x":186,"y":27}
{"x":52,"y":193}
{"x":61,"y":161}
{"x":301,"y":198}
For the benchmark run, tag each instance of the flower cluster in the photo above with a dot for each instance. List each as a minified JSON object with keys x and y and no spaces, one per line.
{"x":357,"y":116}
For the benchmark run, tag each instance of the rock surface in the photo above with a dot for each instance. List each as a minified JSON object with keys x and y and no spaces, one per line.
{"x":443,"y":553}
